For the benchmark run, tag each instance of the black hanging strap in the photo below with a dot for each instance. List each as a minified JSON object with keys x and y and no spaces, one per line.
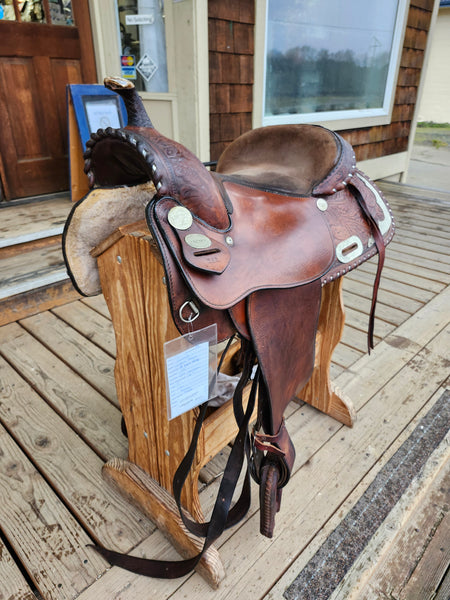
{"x":222,"y":516}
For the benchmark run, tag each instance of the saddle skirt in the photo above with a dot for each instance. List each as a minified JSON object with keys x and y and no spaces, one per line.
{"x":248,"y":247}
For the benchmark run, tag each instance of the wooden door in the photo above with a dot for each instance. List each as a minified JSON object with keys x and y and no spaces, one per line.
{"x":44,"y":45}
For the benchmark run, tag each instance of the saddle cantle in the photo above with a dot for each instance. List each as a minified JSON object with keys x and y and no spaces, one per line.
{"x":248,"y":247}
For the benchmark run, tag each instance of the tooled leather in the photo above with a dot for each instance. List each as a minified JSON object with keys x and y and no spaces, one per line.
{"x":345,"y":219}
{"x":289,"y":240}
{"x":142,"y":154}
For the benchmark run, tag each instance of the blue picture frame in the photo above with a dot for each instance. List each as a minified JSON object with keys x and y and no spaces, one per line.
{"x":95,"y":107}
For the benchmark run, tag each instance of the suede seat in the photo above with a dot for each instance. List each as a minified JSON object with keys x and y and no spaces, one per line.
{"x":286,"y":158}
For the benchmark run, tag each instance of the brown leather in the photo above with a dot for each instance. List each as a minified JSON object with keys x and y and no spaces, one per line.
{"x":269,"y":498}
{"x":267,"y":250}
{"x":137,"y":154}
{"x":286,"y":213}
{"x":301,"y":159}
{"x":180,"y":294}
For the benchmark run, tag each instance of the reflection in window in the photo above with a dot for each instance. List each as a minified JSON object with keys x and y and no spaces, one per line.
{"x":327,"y":56}
{"x":61,"y":12}
{"x":31,"y":11}
{"x":7,"y":10}
{"x":143,"y":43}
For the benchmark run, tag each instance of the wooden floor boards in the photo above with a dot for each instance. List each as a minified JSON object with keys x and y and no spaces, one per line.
{"x":59,"y":422}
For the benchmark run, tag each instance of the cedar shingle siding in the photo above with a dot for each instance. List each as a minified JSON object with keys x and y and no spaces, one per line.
{"x":231,"y":49}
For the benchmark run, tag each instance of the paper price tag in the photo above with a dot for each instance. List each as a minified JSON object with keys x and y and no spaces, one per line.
{"x":191,"y":362}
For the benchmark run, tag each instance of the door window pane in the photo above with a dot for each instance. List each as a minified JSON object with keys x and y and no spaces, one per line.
{"x":31,"y":11}
{"x":143,"y":43}
{"x":7,"y":10}
{"x":328,"y":56}
{"x":61,"y":12}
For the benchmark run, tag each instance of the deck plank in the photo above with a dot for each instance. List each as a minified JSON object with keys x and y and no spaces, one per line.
{"x":423,"y":240}
{"x":425,"y":218}
{"x":44,"y":534}
{"x":92,"y":363}
{"x":345,"y":356}
{"x":411,"y":278}
{"x":14,"y":585}
{"x":390,"y":314}
{"x":400,"y":546}
{"x":365,"y":567}
{"x":423,"y":232}
{"x":364,"y":289}
{"x":432,"y":566}
{"x":364,"y":380}
{"x":396,"y":287}
{"x":334,"y":465}
{"x":372,"y":372}
{"x":31,"y":221}
{"x":95,"y":419}
{"x":442,"y":269}
{"x":360,"y":321}
{"x":65,"y":460}
{"x":396,"y":259}
{"x":443,"y":592}
{"x":356,"y":339}
{"x":325,"y":481}
{"x":98,"y":303}
{"x":440,"y":259}
{"x":90,"y":323}
{"x":32,"y":270}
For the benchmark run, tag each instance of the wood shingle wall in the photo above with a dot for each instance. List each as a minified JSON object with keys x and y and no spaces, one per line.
{"x":231,"y":49}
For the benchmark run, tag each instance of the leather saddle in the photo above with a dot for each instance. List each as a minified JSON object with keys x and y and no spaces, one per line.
{"x":248,"y":247}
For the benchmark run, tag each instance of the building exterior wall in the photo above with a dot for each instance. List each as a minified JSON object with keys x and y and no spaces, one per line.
{"x":231,"y":28}
{"x":435,"y":101}
{"x":376,"y":142}
{"x":231,"y":50}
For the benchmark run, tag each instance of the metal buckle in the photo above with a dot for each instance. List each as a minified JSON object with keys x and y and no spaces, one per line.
{"x":195,"y":312}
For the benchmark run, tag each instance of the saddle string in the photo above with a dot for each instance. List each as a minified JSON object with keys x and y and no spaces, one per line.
{"x":380,"y":245}
{"x":222,"y":516}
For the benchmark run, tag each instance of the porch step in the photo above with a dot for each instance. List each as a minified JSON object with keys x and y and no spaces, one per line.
{"x":31,"y":269}
{"x":30,"y":220}
{"x":33,"y":275}
{"x":33,"y":281}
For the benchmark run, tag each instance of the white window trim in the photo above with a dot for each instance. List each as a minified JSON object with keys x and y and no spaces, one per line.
{"x":337,"y":120}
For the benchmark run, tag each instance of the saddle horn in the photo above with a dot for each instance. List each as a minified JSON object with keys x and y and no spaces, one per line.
{"x":137,"y":115}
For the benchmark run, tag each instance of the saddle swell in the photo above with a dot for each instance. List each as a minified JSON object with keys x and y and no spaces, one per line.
{"x":249,"y":248}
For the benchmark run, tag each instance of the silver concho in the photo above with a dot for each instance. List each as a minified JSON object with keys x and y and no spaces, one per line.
{"x":180,"y":217}
{"x":322,"y":204}
{"x":198,"y":241}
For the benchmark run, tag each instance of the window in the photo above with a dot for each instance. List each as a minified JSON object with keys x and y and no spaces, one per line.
{"x":329,"y":61}
{"x":56,"y":12}
{"x":143,"y":43}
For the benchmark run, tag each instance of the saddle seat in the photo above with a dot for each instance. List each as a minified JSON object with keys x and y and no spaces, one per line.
{"x":292,"y":159}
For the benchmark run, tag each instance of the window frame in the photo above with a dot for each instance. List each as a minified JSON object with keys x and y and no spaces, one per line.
{"x":337,"y":120}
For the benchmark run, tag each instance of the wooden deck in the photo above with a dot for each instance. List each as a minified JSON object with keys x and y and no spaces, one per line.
{"x":365,"y":515}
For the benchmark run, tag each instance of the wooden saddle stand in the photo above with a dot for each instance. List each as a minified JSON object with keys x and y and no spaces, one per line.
{"x":259,"y":248}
